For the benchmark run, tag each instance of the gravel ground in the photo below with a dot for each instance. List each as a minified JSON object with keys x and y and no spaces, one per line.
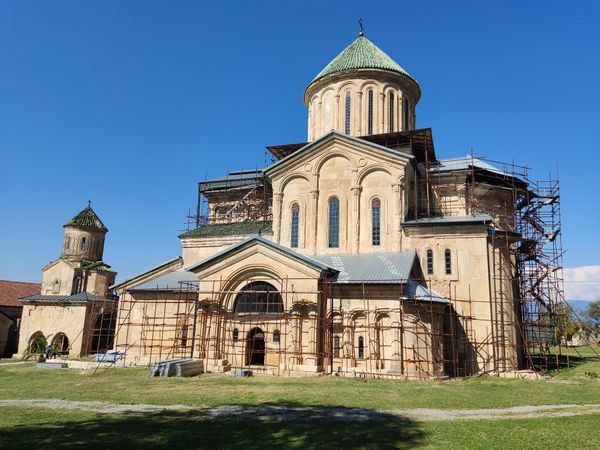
{"x":285,"y":413}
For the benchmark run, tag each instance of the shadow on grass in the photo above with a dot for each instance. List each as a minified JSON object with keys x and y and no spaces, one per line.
{"x":337,"y":427}
{"x":555,"y":362}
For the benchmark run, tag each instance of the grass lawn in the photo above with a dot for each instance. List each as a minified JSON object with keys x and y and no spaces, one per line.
{"x":26,"y":427}
{"x":34,"y":428}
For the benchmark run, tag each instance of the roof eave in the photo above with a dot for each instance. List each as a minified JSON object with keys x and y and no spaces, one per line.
{"x":349,"y":73}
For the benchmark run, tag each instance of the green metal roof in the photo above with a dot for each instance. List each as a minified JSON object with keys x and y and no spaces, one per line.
{"x":228,"y":229}
{"x":361,"y":54}
{"x":81,"y":297}
{"x":87,"y":219}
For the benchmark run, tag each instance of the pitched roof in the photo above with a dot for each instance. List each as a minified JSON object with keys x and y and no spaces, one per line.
{"x":416,"y":291}
{"x":481,"y":218}
{"x":361,"y":54}
{"x":12,"y":291}
{"x":228,"y":229}
{"x":344,"y":137}
{"x":243,"y":179}
{"x":174,"y":261}
{"x":464,"y":163}
{"x":178,"y":279}
{"x":86,"y":219}
{"x":311,"y":262}
{"x":81,"y":297}
{"x":371,"y":267}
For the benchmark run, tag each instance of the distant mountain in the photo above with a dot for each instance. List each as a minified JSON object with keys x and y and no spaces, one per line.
{"x":579,"y":306}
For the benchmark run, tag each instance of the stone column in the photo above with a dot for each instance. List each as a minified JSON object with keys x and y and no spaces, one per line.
{"x":355,"y":229}
{"x":382,"y":112}
{"x":319,"y":122}
{"x":310,"y":113}
{"x":314,"y":210}
{"x":359,"y":115}
{"x":336,"y":114}
{"x":401,"y":112}
{"x":397,"y":208}
{"x":277,"y":201}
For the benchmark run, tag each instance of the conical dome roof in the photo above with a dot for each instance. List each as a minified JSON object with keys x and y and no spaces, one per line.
{"x":361,"y":54}
{"x":86,"y":219}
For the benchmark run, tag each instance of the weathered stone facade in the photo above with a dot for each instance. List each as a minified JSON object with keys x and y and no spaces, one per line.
{"x":73,"y":312}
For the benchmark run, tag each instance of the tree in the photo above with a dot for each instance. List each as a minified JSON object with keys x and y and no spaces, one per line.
{"x":593,"y":313}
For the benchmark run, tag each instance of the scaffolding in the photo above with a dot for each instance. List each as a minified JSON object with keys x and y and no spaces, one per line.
{"x":368,"y":329}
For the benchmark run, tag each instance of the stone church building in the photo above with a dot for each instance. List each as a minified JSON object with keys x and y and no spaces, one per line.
{"x":358,"y":252}
{"x":74,"y":312}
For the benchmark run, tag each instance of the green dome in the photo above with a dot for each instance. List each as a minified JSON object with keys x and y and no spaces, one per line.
{"x":361,"y":54}
{"x":86,"y":219}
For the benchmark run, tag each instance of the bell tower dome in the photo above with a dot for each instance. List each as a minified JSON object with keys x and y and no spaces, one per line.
{"x":361,"y":91}
{"x":84,"y":236}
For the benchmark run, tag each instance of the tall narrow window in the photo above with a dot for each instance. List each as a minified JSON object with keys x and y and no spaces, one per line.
{"x":448,"y":261}
{"x":376,"y":221}
{"x":370,"y":111}
{"x":336,"y":346}
{"x":361,"y":347}
{"x":391,"y":113}
{"x":295,"y":222}
{"x":429,"y":262}
{"x":276,"y":336}
{"x":68,"y":243}
{"x":83,"y":245}
{"x":184,"y":335}
{"x":347,"y":118}
{"x":405,"y":109}
{"x":78,"y":285}
{"x":334,"y":222}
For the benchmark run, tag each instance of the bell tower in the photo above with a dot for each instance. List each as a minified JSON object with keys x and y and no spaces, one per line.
{"x":84,"y":237}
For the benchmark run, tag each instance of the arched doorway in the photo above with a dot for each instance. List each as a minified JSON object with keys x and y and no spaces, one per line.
{"x":60,"y":344}
{"x":255,"y":347}
{"x":37,"y":342}
{"x":103,"y":333}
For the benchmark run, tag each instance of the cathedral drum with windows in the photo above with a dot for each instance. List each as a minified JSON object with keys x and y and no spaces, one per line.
{"x":352,"y":253}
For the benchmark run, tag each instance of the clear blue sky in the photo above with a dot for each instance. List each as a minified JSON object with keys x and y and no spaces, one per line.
{"x":130,"y":103}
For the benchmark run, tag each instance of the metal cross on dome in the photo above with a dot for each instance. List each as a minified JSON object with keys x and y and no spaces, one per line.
{"x":362,"y":28}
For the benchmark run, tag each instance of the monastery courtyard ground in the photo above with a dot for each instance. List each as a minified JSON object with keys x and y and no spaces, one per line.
{"x":125,"y":408}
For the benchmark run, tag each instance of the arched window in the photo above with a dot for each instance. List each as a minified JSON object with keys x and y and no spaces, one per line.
{"x":83,"y":244}
{"x":448,"y":261}
{"x":429,"y":262}
{"x":276,"y":336}
{"x":375,"y":221}
{"x":336,"y":346}
{"x":361,"y":347}
{"x":347,"y":117}
{"x":295,"y":223}
{"x":334,"y":222}
{"x":68,"y":243}
{"x":235,"y":335}
{"x":370,"y":111}
{"x":259,"y":298}
{"x":405,"y":110}
{"x":391,"y":113}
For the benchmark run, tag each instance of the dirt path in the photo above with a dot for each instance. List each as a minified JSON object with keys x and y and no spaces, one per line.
{"x":285,"y":413}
